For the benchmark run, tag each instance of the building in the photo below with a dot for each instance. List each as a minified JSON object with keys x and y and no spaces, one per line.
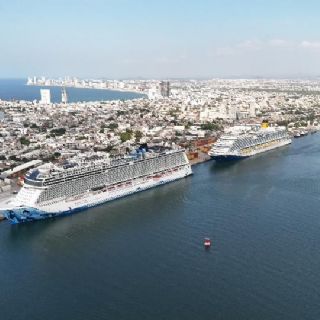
{"x":153,"y":94}
{"x":45,"y":96}
{"x":164,"y":88}
{"x":29,"y":81}
{"x":64,"y":96}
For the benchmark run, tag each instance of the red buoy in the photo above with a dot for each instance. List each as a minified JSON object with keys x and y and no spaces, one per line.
{"x":207,"y":243}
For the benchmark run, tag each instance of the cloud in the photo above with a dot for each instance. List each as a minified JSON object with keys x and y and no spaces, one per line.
{"x":250,"y":45}
{"x":310,"y":44}
{"x":238,"y":48}
{"x":280,"y":43}
{"x":224,"y":51}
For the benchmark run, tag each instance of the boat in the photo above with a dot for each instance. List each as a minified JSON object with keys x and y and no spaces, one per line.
{"x":207,"y":243}
{"x":52,"y":190}
{"x":242,"y":141}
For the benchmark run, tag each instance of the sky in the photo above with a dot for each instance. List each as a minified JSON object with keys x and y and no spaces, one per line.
{"x":117,"y":39}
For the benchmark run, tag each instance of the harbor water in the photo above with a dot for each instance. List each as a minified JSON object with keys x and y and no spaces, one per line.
{"x":142,"y":257}
{"x":16,"y":89}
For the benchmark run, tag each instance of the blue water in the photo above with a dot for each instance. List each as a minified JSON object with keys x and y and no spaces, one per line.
{"x":16,"y":89}
{"x":142,"y":257}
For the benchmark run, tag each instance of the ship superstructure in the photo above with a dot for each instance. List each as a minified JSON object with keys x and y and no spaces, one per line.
{"x":243,"y":141}
{"x":91,"y":179}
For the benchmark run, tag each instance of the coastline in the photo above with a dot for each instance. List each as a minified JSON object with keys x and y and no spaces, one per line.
{"x":83,"y":87}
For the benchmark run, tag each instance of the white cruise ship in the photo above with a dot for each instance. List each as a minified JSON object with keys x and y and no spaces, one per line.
{"x":92,"y":179}
{"x":243,"y":141}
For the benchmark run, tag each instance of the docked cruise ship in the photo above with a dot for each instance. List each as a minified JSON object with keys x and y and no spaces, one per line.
{"x":243,"y":141}
{"x":92,"y":179}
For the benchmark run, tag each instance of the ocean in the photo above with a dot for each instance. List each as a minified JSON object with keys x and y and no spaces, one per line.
{"x":142,"y":257}
{"x":16,"y":89}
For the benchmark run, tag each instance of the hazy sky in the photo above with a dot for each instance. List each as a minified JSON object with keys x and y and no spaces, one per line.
{"x":163,"y":39}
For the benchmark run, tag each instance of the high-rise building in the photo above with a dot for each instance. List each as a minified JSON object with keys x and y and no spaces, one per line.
{"x":29,"y":81}
{"x":64,"y":96}
{"x":164,"y":88}
{"x":45,"y":96}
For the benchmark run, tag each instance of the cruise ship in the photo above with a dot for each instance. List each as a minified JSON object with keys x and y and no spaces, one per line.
{"x":243,"y":141}
{"x":88,"y":180}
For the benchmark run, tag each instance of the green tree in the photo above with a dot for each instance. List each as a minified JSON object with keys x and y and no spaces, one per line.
{"x":125,"y":136}
{"x":138,"y":135}
{"x":210,"y":126}
{"x":113,"y":126}
{"x":58,"y":132}
{"x":24,"y":141}
{"x":109,"y":148}
{"x":188,"y":125}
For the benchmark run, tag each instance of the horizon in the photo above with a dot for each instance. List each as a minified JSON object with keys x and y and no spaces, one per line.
{"x":300,"y":77}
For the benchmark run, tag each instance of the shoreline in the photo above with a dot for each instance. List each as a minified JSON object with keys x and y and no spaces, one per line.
{"x":89,"y":88}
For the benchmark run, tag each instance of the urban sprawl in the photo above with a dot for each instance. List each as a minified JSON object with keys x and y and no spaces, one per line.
{"x":188,"y":113}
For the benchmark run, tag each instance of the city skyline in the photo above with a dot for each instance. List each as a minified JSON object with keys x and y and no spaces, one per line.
{"x":125,"y":39}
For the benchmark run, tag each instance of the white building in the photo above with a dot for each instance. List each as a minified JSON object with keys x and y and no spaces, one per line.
{"x":45,"y":96}
{"x":154,"y":93}
{"x":64,"y":96}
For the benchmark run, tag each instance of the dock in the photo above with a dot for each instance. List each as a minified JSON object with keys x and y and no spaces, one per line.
{"x":201,"y":157}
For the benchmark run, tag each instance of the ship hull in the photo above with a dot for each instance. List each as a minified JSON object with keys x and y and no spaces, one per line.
{"x":65,"y":208}
{"x":228,"y":157}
